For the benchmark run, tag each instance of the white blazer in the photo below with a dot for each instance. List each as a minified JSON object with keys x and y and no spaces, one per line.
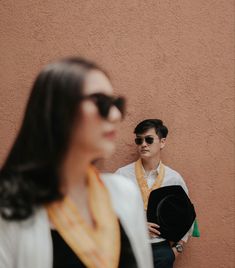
{"x":28,"y":243}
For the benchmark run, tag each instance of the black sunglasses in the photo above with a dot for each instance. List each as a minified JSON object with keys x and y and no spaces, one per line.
{"x":147,"y":139}
{"x":105,"y":102}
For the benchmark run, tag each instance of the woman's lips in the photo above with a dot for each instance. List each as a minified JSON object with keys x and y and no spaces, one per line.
{"x":110,"y":134}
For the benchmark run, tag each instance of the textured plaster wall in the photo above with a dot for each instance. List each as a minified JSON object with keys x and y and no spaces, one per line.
{"x":173,"y":60}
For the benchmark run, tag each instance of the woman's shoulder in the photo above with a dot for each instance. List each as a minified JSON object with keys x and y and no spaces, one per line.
{"x":13,"y":226}
{"x":119,"y":182}
{"x":12,"y":231}
{"x":27,"y":239}
{"x":7,"y":226}
{"x":127,"y":169}
{"x":122,"y":190}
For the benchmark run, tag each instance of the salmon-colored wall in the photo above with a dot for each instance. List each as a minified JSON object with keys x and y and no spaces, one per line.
{"x":173,"y":60}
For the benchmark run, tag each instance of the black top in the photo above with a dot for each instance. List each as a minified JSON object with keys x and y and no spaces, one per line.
{"x":64,"y":257}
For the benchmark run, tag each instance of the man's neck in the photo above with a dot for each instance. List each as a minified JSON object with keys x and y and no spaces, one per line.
{"x":151,"y":163}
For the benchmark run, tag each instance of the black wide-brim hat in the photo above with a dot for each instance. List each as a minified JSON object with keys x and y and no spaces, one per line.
{"x":171,"y":208}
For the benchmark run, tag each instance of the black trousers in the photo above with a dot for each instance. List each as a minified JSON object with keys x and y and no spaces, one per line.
{"x":163,"y":255}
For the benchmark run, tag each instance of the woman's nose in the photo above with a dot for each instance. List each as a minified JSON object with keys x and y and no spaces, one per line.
{"x":114,"y":114}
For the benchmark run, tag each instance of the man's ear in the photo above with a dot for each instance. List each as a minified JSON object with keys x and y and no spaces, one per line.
{"x":162,"y":143}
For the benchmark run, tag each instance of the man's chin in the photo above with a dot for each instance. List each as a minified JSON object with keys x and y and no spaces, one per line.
{"x":145,"y":155}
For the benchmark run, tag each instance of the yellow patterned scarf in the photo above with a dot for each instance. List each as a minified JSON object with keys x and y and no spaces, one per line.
{"x":145,"y":190}
{"x":97,"y":247}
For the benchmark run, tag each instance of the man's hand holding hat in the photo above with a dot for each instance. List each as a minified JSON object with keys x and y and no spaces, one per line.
{"x":153,"y":229}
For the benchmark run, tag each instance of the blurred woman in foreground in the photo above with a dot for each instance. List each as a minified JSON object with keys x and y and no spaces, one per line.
{"x":56,"y":209}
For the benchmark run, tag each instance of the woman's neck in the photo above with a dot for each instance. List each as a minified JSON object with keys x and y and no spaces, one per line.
{"x":75,"y":183}
{"x":74,"y":171}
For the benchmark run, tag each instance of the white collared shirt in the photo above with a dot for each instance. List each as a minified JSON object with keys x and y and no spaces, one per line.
{"x":150,"y":176}
{"x":171,"y":177}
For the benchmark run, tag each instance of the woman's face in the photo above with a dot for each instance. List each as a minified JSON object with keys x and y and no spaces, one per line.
{"x":93,"y":134}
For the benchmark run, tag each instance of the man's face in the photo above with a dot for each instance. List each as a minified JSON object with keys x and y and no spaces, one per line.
{"x":150,"y":145}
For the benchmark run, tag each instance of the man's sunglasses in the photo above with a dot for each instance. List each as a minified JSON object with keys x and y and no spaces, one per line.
{"x":105,"y":102}
{"x":147,"y":139}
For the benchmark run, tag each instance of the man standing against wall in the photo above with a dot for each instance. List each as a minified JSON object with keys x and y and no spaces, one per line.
{"x":149,"y":173}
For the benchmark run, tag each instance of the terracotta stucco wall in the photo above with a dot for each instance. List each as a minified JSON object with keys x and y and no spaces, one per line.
{"x":173,"y":59}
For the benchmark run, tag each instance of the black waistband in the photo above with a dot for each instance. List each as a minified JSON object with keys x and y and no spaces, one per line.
{"x":157,"y":244}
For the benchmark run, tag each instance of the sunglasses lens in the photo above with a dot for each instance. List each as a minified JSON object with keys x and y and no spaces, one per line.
{"x":104,"y":103}
{"x":120,"y":104}
{"x":138,"y":141}
{"x":149,"y":140}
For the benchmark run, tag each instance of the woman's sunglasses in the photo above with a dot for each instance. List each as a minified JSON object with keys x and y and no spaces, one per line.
{"x":147,"y":139}
{"x":105,"y":102}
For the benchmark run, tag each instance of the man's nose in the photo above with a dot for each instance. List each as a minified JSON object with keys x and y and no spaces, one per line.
{"x":144,"y":144}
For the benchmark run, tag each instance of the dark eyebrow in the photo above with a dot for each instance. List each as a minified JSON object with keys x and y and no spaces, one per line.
{"x":142,"y":136}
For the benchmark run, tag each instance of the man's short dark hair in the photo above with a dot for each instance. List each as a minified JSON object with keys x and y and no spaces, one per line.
{"x":147,"y":124}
